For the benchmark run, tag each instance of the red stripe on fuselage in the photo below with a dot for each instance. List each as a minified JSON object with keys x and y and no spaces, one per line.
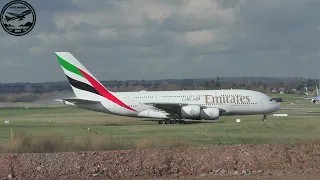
{"x":103,"y":91}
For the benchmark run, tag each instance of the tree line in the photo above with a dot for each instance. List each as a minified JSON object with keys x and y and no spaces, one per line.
{"x":32,"y":91}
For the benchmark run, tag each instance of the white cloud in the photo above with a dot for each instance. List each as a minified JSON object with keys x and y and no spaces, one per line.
{"x":196,"y":38}
{"x":151,"y":39}
{"x":107,"y":33}
{"x":209,"y":11}
{"x":36,"y":49}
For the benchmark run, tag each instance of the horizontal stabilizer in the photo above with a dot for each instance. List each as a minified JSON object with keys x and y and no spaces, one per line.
{"x":78,"y":101}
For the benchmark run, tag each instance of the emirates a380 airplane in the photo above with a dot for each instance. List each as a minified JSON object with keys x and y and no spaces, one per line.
{"x":165,"y":106}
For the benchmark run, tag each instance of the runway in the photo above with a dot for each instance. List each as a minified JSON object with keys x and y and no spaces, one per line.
{"x":305,"y":114}
{"x":301,"y":108}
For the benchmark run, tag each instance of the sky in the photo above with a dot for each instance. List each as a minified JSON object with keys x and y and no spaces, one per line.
{"x":160,"y":39}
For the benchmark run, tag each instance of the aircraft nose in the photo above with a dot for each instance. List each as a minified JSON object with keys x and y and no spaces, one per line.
{"x":277,"y":106}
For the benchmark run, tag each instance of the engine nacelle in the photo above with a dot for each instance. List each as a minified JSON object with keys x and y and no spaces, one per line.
{"x":190,"y":112}
{"x":209,"y":113}
{"x":195,"y":112}
{"x":313,"y":101}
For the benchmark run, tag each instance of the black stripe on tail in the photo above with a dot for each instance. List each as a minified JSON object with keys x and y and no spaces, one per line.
{"x":83,"y":86}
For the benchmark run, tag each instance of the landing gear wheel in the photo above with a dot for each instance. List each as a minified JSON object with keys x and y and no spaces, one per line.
{"x":162,"y":122}
{"x":264,"y":118}
{"x":171,"y":121}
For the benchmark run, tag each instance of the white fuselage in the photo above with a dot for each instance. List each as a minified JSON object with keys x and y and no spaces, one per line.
{"x":233,"y":102}
{"x":190,"y":104}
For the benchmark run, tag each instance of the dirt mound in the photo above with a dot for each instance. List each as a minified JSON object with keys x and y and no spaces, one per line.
{"x":224,"y":160}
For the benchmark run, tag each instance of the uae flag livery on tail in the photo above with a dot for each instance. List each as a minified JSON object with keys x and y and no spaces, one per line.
{"x":80,"y":78}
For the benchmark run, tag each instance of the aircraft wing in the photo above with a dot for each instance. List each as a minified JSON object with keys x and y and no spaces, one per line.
{"x":13,"y":14}
{"x":167,"y":105}
{"x":174,"y":108}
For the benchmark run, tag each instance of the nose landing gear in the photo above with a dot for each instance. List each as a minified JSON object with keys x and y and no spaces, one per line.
{"x":264,"y":117}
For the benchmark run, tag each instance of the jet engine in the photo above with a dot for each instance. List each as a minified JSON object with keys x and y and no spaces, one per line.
{"x":195,"y":112}
{"x":210,"y":113}
{"x":190,"y":112}
{"x":313,"y":101}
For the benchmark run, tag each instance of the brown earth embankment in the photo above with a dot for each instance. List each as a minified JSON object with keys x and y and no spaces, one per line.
{"x":174,"y":162}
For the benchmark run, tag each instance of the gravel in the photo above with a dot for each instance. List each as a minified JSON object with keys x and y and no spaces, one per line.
{"x":240,"y":160}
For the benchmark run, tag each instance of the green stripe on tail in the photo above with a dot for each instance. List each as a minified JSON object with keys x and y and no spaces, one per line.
{"x":69,"y":66}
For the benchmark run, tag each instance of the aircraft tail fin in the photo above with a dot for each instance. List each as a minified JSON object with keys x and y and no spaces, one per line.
{"x":83,"y":83}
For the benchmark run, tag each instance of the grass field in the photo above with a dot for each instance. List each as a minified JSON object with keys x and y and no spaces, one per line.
{"x":87,"y":130}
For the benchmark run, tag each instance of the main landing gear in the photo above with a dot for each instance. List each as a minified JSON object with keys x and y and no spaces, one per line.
{"x":264,"y":118}
{"x":171,"y":121}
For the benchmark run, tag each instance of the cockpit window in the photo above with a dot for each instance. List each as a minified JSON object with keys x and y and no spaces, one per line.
{"x":270,"y":99}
